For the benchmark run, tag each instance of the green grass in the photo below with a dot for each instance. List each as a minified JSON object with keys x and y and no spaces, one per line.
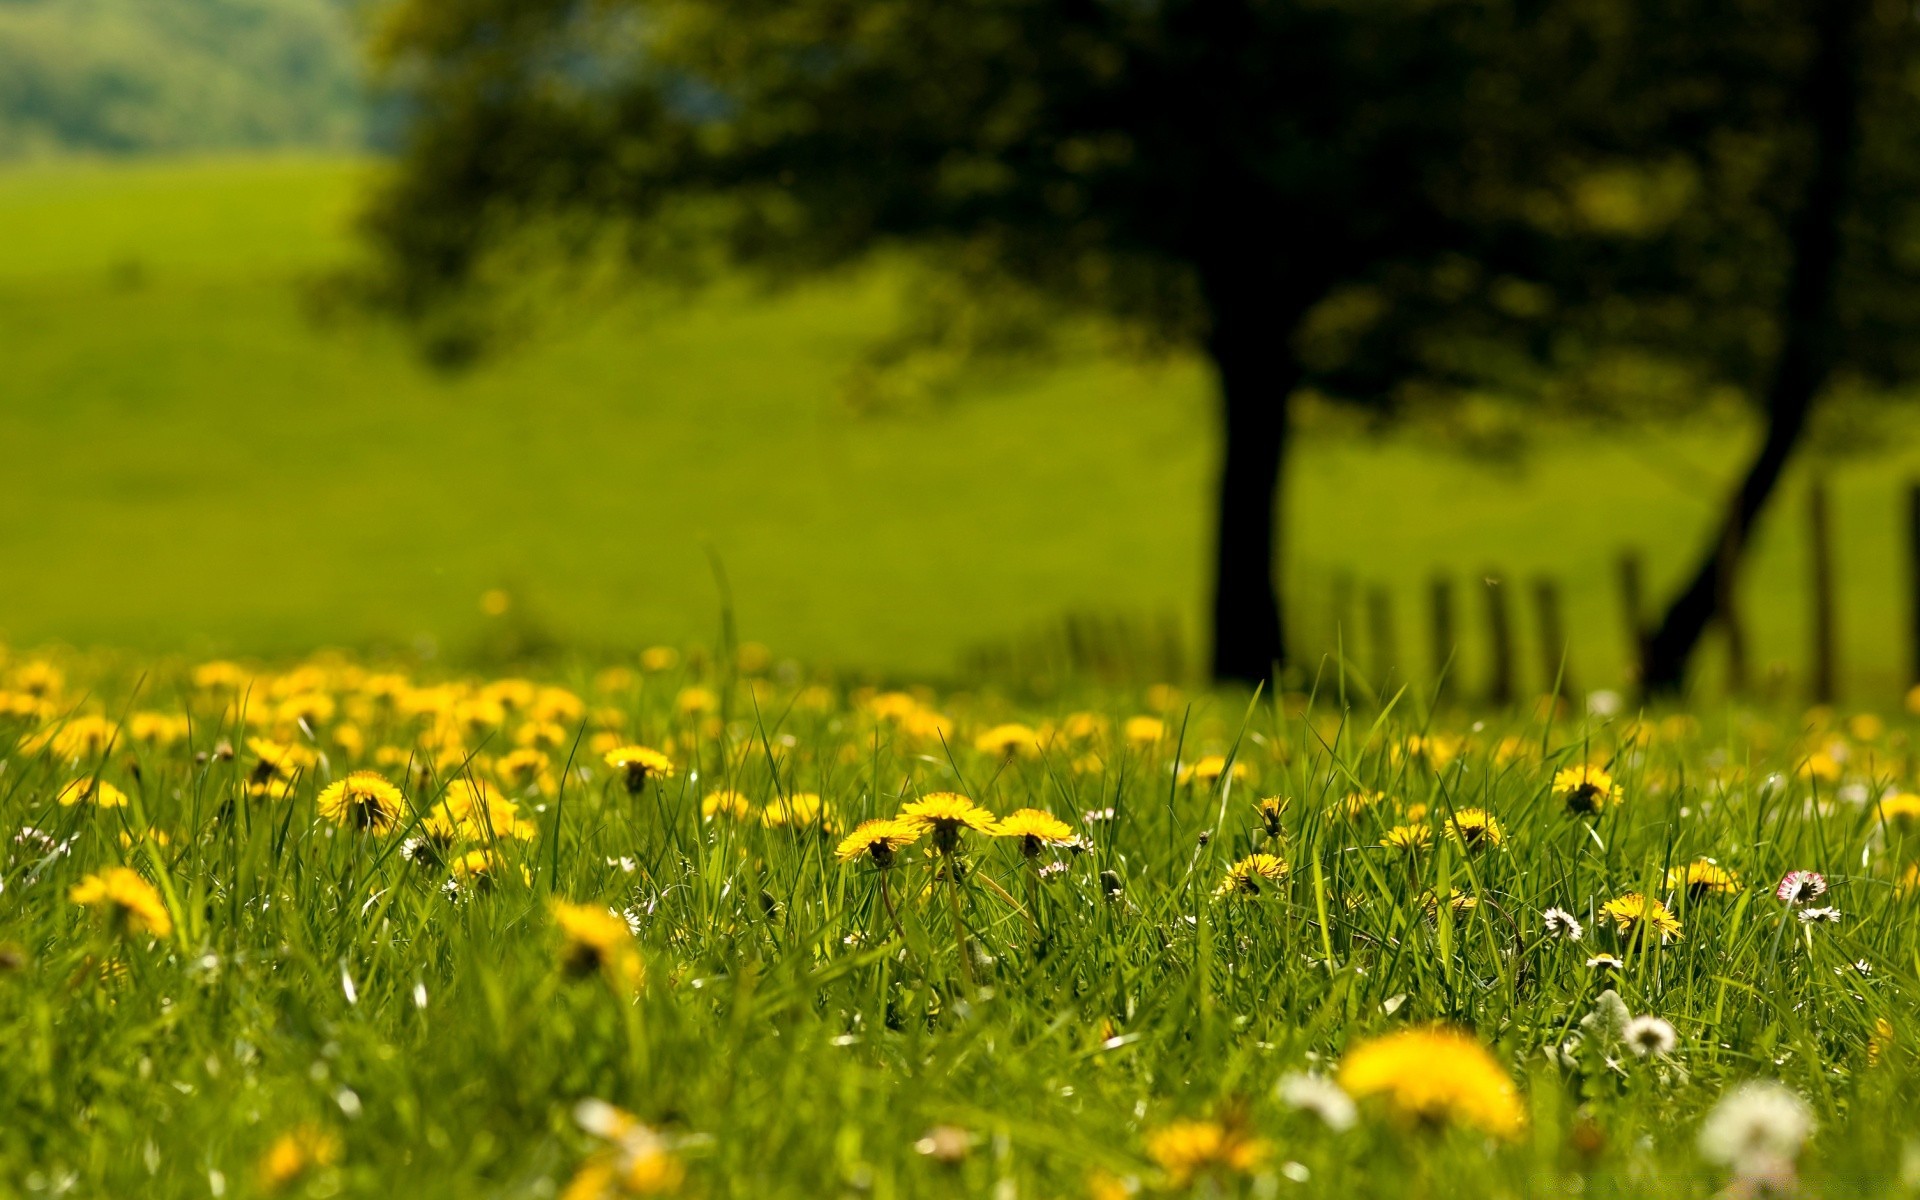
{"x":190,"y":461}
{"x":799,"y":1033}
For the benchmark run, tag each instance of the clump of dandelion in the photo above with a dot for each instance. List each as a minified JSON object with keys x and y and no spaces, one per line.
{"x":363,"y":800}
{"x":1635,"y":917}
{"x":1475,"y":829}
{"x":1253,"y":875}
{"x":130,"y":904}
{"x":1757,"y":1131}
{"x":1036,"y":829}
{"x":1562,"y":925}
{"x":1189,"y":1150}
{"x":1435,"y":1077}
{"x":295,"y":1155}
{"x":597,"y":941}
{"x":1704,"y":877}
{"x":633,"y":1160}
{"x":1798,"y":887}
{"x":1586,"y":789}
{"x":1309,"y":1092}
{"x":637,"y":764}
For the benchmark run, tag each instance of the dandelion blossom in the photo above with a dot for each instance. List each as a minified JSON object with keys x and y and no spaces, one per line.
{"x":725,"y":803}
{"x":295,"y":1154}
{"x":638,"y":764}
{"x":130,"y":902}
{"x":1036,"y":830}
{"x":1650,"y":1037}
{"x":1008,"y":741}
{"x":1754,"y":1126}
{"x":946,"y":815}
{"x":1408,"y":837}
{"x":1475,"y":828}
{"x":1634,"y":915}
{"x":1187,"y":1150}
{"x":1435,"y":1077}
{"x":634,"y":1161}
{"x":597,"y":941}
{"x":1704,"y":877}
{"x":97,"y":792}
{"x":363,"y":800}
{"x":1585,"y":789}
{"x":878,"y":840}
{"x":1253,"y":875}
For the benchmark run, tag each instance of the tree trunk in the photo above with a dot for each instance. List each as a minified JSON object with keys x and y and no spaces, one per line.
{"x":1832,"y":102}
{"x":1251,"y":349}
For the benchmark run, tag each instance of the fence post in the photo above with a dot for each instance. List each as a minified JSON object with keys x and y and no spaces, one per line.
{"x":1499,"y":643}
{"x":1820,"y":547}
{"x":1380,"y":633}
{"x":1556,"y":668}
{"x":1440,"y":592}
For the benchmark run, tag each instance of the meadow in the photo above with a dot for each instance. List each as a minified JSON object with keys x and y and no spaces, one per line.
{"x":715,"y":925}
{"x":177,"y":426}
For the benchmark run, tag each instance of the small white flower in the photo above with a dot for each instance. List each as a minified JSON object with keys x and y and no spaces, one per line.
{"x":1755,"y":1125}
{"x":1562,"y":925}
{"x":1798,"y":887}
{"x":1053,"y":870}
{"x":1828,"y":914}
{"x":627,"y":865}
{"x":1650,"y":1037}
{"x":1605,"y":962}
{"x":1307,"y":1092}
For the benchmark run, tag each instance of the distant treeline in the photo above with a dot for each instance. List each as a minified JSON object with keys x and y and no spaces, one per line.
{"x":118,"y":76}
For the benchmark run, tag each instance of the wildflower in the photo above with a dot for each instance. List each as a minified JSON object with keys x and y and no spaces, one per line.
{"x":1408,"y":837}
{"x":879,"y":840}
{"x":1316,"y":1094}
{"x":282,"y":761}
{"x":1252,"y":874}
{"x":526,"y":768}
{"x":1902,"y":809}
{"x":1144,"y":731}
{"x":1435,"y":1077}
{"x":295,"y":1154}
{"x":1585,"y":789}
{"x":1187,"y":1150}
{"x":1475,"y":828}
{"x":1562,"y":925}
{"x":945,"y":815}
{"x":1755,"y":1128}
{"x":1605,"y":962}
{"x":1353,"y":804}
{"x":725,"y":803}
{"x":1828,"y":915}
{"x":1634,"y":915}
{"x":1007,"y":741}
{"x":635,"y":1161}
{"x":1270,"y":809}
{"x":363,"y":800}
{"x":1703,"y":877}
{"x":480,"y":870}
{"x":799,"y":810}
{"x":1052,"y":871}
{"x":1209,"y":769}
{"x":1881,"y":1041}
{"x":1035,"y":829}
{"x":1798,"y":887}
{"x":1650,"y":1037}
{"x":97,"y":791}
{"x":78,"y":738}
{"x":597,"y":941}
{"x":157,"y":729}
{"x":639,"y":764}
{"x":130,"y":902}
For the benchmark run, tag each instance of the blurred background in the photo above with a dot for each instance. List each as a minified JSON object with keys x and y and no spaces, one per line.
{"x":204,"y":447}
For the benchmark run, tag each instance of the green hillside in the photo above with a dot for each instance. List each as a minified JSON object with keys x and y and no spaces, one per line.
{"x":112,"y":76}
{"x":189,"y":460}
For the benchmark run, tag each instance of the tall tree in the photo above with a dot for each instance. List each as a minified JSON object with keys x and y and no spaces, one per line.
{"x":1217,"y":171}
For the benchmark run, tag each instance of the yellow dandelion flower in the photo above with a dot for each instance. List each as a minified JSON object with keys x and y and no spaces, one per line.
{"x":1083,"y":726}
{"x":1187,"y":1150}
{"x":639,"y":764}
{"x":1634,"y":915}
{"x":482,"y":869}
{"x":1036,"y":829}
{"x":526,"y":769}
{"x":879,"y":840}
{"x":295,"y":1154}
{"x":597,"y":941}
{"x":1586,"y":789}
{"x":1703,"y":877}
{"x":363,"y":800}
{"x":157,"y":729}
{"x":726,"y":803}
{"x":1270,"y":810}
{"x":1210,"y":768}
{"x":79,"y":738}
{"x":1435,"y":1077}
{"x":1881,"y":1041}
{"x":1355,"y":804}
{"x":131,"y":904}
{"x":97,"y":792}
{"x":1007,"y":741}
{"x":946,"y":815}
{"x":1253,"y":875}
{"x":473,"y":811}
{"x":801,"y":810}
{"x":1901,"y":809}
{"x":1408,"y":837}
{"x":1909,"y":882}
{"x":636,"y":1161}
{"x":1144,"y":731}
{"x":696,"y":701}
{"x":1475,"y":829}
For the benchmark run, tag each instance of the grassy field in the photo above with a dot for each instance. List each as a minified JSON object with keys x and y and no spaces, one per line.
{"x":1261,"y":952}
{"x":191,"y":462}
